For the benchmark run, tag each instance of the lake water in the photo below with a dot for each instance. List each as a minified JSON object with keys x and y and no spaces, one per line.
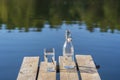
{"x":29,"y":26}
{"x":103,"y":46}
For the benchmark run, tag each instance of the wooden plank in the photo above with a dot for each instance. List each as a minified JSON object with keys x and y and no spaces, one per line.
{"x":29,"y":67}
{"x":87,"y":67}
{"x":44,"y":74}
{"x":67,"y":74}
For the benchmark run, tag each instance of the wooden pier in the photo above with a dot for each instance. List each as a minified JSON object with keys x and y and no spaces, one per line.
{"x":84,"y":69}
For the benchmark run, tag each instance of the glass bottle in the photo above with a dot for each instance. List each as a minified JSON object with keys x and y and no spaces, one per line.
{"x":68,"y":49}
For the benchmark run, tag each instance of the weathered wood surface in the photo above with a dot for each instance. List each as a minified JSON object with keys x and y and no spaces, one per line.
{"x":85,"y":63}
{"x":87,"y":67}
{"x":67,"y":74}
{"x":29,"y":67}
{"x":44,"y":74}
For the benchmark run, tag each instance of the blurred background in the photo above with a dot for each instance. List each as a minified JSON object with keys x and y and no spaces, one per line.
{"x":29,"y":26}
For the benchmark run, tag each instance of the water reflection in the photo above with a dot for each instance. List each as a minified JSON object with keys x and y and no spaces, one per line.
{"x":81,"y":25}
{"x":35,"y":13}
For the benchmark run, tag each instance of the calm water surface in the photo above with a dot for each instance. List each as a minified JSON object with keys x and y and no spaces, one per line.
{"x":29,"y":26}
{"x":103,"y":46}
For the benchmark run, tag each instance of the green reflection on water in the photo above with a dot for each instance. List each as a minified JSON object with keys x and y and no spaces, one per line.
{"x":34,"y":13}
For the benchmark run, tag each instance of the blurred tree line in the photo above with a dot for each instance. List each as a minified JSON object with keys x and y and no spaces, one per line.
{"x":34,"y":13}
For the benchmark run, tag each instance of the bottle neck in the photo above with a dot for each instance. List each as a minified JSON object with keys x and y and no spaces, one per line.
{"x":68,"y":34}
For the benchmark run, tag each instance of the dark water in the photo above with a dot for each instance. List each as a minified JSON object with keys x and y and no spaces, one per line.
{"x":29,"y":26}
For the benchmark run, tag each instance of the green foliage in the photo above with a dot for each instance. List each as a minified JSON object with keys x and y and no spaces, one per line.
{"x":34,"y":13}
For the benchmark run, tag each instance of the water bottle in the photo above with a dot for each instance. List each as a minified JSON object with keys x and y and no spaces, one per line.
{"x":68,"y":49}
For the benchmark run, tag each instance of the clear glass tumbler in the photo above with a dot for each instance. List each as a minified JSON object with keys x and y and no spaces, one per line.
{"x":50,"y":59}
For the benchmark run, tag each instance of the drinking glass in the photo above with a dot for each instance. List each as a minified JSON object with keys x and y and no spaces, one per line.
{"x":50,"y":59}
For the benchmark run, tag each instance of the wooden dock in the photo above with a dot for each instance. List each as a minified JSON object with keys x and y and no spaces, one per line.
{"x":29,"y":68}
{"x":44,"y":74}
{"x":67,"y":74}
{"x":84,"y":69}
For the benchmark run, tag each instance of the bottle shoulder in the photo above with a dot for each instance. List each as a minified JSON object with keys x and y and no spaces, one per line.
{"x":68,"y":44}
